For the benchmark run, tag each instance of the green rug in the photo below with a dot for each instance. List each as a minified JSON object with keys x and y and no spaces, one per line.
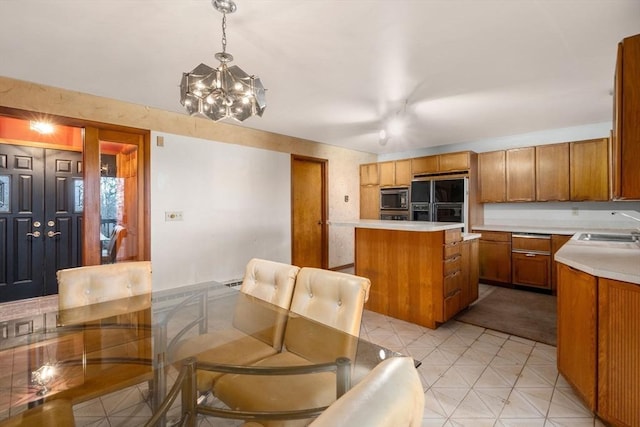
{"x":525,"y":314}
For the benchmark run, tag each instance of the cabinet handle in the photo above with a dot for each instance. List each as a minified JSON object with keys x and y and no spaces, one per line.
{"x":530,"y":255}
{"x":454,"y":274}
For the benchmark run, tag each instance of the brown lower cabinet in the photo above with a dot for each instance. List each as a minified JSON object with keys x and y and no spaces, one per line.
{"x":523,"y":259}
{"x":495,"y":257}
{"x":599,"y":343}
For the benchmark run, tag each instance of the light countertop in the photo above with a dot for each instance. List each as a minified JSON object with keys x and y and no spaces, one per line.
{"x":617,"y":261}
{"x":398,"y":225}
{"x":545,"y":229}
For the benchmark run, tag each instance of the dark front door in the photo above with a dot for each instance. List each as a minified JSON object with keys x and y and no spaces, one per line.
{"x":40,"y":218}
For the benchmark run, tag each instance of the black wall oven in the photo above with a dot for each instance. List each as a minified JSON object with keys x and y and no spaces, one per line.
{"x":439,"y":199}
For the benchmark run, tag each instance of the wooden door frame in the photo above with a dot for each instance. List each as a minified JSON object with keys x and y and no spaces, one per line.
{"x":324,"y":165}
{"x":91,"y":159}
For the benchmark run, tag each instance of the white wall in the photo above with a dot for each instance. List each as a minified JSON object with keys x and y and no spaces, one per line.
{"x":580,"y":215}
{"x":236,"y":205}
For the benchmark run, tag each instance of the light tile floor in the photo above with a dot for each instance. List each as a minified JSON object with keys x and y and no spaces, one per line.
{"x":471,"y":376}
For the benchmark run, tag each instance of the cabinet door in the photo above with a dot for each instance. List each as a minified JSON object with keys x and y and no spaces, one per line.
{"x":387,"y":173}
{"x":577,"y":331}
{"x":369,"y":202}
{"x":403,"y":172}
{"x":495,"y":261}
{"x":369,"y":174}
{"x":453,"y":162}
{"x":531,"y":269}
{"x":492,"y":179}
{"x":626,"y":129}
{"x":552,"y":172}
{"x":521,"y":176}
{"x":427,"y":164}
{"x":469,"y":279}
{"x":619,"y":352}
{"x":589,"y":170}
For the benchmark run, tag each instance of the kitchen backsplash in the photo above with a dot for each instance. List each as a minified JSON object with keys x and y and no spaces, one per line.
{"x":563,"y":214}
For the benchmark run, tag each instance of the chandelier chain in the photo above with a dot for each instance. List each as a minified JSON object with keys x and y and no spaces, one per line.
{"x":224,"y":33}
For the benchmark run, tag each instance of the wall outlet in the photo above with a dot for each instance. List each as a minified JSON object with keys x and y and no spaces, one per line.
{"x":173,"y":216}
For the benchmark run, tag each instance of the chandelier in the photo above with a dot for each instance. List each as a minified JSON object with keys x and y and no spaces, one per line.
{"x":226,"y":91}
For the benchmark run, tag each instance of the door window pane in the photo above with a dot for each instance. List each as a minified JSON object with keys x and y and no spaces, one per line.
{"x":118,"y":201}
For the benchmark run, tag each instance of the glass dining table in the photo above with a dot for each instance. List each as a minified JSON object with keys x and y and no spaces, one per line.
{"x":83,"y":353}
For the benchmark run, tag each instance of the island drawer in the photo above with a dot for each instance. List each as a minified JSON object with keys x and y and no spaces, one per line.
{"x":451,"y":250}
{"x":451,"y":265}
{"x":453,"y":235}
{"x":451,"y":306}
{"x":452,"y":283}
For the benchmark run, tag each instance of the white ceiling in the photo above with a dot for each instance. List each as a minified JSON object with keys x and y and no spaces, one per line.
{"x":335,"y":70}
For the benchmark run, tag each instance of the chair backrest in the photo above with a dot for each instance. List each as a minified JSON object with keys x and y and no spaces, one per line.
{"x":98,"y":283}
{"x":331,"y":298}
{"x":391,"y":395}
{"x":114,"y":244}
{"x":270,"y":281}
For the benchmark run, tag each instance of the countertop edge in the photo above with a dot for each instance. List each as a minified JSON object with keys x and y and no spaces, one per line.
{"x":423,"y":226}
{"x":602,"y":261}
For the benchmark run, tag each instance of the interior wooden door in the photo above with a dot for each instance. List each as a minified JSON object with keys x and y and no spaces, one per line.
{"x":40,"y":218}
{"x":309,"y":212}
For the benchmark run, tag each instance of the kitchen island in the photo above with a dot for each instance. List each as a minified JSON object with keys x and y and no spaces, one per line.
{"x":422,"y":272}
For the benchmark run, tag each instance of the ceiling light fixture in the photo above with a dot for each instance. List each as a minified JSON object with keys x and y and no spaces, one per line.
{"x":226,"y":91}
{"x":393,"y":127}
{"x":43,"y":128}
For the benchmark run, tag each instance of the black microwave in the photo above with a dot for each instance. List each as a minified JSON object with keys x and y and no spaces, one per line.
{"x":394,"y":198}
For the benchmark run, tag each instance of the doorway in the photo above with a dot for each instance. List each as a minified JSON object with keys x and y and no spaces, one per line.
{"x":55,"y":212}
{"x":309,"y":212}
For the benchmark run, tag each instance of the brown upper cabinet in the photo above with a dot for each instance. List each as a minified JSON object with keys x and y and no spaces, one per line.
{"x":449,"y":162}
{"x":369,"y":174}
{"x":589,"y":169}
{"x":552,"y":172}
{"x":395,"y":173}
{"x":521,"y":174}
{"x":575,"y":171}
{"x":492,"y":177}
{"x":625,"y":141}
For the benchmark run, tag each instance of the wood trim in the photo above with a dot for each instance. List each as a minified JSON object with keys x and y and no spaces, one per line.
{"x":91,"y":254}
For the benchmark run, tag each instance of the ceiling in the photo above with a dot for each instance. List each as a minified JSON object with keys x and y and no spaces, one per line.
{"x":456,"y":71}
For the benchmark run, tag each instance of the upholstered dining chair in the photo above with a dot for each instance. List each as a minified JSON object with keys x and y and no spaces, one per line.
{"x":391,"y":395}
{"x":93,"y":284}
{"x":249,"y":341}
{"x":328,"y":297}
{"x":120,"y":355}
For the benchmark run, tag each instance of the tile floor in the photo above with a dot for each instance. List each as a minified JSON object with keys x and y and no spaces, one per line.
{"x":471,"y":376}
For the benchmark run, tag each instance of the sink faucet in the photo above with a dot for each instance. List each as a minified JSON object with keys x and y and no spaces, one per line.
{"x":635,"y":233}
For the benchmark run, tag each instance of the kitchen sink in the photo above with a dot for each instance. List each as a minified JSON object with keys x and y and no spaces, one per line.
{"x":599,"y":237}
